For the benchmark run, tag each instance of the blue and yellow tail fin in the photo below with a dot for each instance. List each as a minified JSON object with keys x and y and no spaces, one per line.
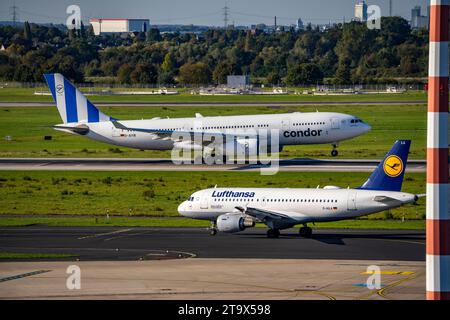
{"x":72,"y":105}
{"x":389,"y":174}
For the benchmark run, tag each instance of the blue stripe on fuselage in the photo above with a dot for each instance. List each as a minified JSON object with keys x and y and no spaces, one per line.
{"x":50,"y":78}
{"x":71,"y":102}
{"x":93,"y":113}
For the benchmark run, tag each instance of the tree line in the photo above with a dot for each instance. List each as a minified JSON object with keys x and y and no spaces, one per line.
{"x":347,"y":53}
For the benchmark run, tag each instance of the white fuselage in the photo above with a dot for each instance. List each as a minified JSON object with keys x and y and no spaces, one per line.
{"x":294,"y":128}
{"x":302,"y":205}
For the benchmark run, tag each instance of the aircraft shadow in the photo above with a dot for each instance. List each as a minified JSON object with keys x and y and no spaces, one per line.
{"x":339,"y":238}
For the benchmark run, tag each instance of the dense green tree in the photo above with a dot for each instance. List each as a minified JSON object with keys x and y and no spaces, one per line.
{"x":195,"y":73}
{"x":27,"y":31}
{"x":166,"y":78}
{"x":154,"y":35}
{"x":124,"y":72}
{"x":344,"y":53}
{"x":305,"y":73}
{"x":169,"y":63}
{"x":343,"y":72}
{"x":221,"y":71}
{"x":273,"y":78}
{"x":144,"y":73}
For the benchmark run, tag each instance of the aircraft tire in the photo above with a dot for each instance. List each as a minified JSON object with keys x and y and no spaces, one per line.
{"x":305,"y":232}
{"x":334,"y":153}
{"x":273,"y":233}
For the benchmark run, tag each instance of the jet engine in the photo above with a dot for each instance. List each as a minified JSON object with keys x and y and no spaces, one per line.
{"x":232,"y":222}
{"x":187,"y":145}
{"x":242,"y":147}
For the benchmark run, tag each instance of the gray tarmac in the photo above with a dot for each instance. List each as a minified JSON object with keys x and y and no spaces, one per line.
{"x":119,"y":243}
{"x":188,"y":264}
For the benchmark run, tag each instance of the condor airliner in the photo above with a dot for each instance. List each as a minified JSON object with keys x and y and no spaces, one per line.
{"x":82,"y":118}
{"x":235,"y":209}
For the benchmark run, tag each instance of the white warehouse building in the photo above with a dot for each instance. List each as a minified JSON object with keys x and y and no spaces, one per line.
{"x":119,"y":25}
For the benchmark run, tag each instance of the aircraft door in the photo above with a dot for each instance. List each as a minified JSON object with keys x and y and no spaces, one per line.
{"x":351,"y":200}
{"x":263,"y":201}
{"x":335,"y":123}
{"x":285,"y":124}
{"x":204,"y":201}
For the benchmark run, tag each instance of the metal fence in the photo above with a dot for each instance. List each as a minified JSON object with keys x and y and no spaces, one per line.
{"x":355,"y":87}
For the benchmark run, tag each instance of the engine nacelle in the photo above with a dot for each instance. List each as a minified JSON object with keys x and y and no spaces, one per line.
{"x":242,"y":147}
{"x":187,"y":145}
{"x":232,"y":222}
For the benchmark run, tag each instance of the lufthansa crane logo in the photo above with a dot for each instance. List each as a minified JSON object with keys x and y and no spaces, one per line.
{"x":393,"y":166}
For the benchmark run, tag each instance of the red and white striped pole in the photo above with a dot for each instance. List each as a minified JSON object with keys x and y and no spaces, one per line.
{"x":438,"y":215}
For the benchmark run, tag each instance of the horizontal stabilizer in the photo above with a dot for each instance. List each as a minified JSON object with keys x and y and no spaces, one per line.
{"x":80,"y":129}
{"x":388,"y":200}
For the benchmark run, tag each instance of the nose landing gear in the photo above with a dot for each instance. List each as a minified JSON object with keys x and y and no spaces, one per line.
{"x":334,"y":152}
{"x":213,"y":228}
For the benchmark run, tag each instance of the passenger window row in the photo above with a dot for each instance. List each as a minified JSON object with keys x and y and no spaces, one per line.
{"x":235,"y":127}
{"x":308,"y":123}
{"x":221,"y":127}
{"x":278,"y":200}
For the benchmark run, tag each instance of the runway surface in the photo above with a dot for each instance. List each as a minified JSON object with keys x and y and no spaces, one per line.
{"x":148,"y":164}
{"x":125,"y":244}
{"x":224,"y":279}
{"x":219,"y":104}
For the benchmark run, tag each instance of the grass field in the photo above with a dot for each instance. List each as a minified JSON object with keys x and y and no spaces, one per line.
{"x":189,"y":223}
{"x":27,"y":95}
{"x":27,"y":127}
{"x":156,"y":194}
{"x":16,"y":255}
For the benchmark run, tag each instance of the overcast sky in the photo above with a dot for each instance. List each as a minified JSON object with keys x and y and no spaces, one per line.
{"x":201,"y":12}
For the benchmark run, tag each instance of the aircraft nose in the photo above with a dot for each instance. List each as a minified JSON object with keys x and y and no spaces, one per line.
{"x":182,"y":209}
{"x":366,"y":128}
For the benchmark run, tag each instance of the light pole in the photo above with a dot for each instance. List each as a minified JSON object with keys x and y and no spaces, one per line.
{"x":438,"y":215}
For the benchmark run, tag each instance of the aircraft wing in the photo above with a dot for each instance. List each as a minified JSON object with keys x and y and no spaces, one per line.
{"x":265,"y":215}
{"x":166,"y":134}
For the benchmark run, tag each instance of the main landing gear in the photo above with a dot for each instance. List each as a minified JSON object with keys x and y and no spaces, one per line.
{"x":334,"y":152}
{"x":213,"y":228}
{"x":305,"y":232}
{"x":273,"y":233}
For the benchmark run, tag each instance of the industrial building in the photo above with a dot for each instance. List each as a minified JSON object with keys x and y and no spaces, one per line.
{"x":361,"y":11}
{"x":418,"y":21}
{"x":119,"y":25}
{"x":238,"y":81}
{"x":300,"y":25}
